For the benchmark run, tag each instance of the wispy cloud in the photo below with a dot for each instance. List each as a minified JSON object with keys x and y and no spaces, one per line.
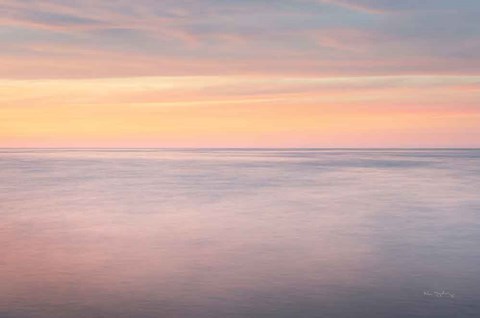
{"x":392,"y":6}
{"x":210,"y":37}
{"x":201,"y":72}
{"x":357,"y":6}
{"x":240,"y":111}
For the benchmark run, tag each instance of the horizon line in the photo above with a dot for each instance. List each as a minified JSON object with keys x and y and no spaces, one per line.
{"x":239,"y":148}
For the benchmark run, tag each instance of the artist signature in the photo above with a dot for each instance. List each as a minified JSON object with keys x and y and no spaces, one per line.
{"x":429,"y":293}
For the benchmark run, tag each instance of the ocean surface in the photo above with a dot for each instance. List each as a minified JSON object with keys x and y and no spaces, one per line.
{"x":239,"y":233}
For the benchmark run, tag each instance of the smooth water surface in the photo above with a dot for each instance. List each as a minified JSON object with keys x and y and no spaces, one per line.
{"x":239,"y":233}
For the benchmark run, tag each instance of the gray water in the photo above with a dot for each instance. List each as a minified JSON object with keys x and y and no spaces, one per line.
{"x":239,"y":233}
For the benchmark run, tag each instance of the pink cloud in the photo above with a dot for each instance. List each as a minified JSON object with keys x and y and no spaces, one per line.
{"x":355,"y":5}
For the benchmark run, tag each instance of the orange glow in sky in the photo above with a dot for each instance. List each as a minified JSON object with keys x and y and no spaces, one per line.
{"x":100,"y":76}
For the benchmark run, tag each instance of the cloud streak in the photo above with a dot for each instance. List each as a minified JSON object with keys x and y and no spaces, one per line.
{"x":241,"y":111}
{"x":212,"y":37}
{"x":239,"y":73}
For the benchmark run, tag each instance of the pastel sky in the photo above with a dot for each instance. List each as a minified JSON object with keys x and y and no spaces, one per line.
{"x":239,"y":73}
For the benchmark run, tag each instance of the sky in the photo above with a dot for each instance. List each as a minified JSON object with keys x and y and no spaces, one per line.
{"x":239,"y":73}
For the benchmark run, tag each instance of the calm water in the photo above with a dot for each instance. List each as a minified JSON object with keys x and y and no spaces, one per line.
{"x":244,"y":233}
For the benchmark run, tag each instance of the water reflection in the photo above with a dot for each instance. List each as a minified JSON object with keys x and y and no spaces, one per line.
{"x":239,"y":233}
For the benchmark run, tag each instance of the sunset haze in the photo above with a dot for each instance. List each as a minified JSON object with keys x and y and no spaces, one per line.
{"x":306,"y":73}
